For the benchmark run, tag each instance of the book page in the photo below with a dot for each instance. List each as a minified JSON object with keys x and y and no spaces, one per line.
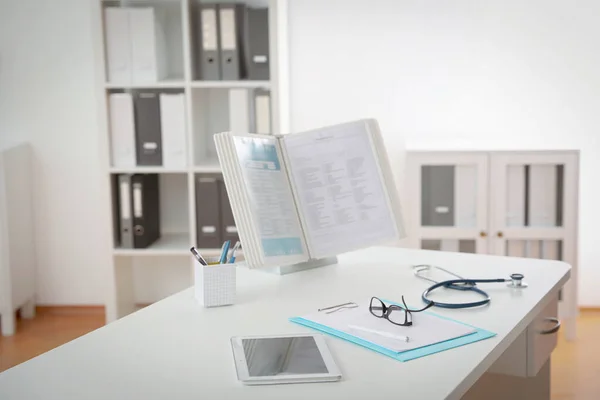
{"x":337,"y":181}
{"x":271,"y":200}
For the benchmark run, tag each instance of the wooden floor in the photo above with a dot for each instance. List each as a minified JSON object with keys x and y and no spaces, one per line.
{"x":575,"y":365}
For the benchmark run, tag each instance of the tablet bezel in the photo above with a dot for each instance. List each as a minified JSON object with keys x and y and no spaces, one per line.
{"x":242,"y":367}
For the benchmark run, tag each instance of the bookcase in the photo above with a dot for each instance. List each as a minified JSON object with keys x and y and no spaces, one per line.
{"x":506,"y":203}
{"x":210,"y":106}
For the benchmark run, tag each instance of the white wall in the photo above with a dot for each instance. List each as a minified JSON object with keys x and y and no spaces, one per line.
{"x":459,"y":74}
{"x":47,"y":97}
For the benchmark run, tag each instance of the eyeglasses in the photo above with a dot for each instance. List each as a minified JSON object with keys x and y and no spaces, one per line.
{"x":396,"y":314}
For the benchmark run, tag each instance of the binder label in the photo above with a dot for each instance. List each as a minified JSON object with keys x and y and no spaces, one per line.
{"x":125,"y":201}
{"x":137,"y":201}
{"x":209,"y":29}
{"x":209,"y":229}
{"x":150,"y":146}
{"x":228,"y":29}
{"x":231,"y":229}
{"x":260,"y":59}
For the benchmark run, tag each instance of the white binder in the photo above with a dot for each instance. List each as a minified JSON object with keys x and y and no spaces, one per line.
{"x":550,"y":250}
{"x":465,"y":196}
{"x":515,"y":181}
{"x":542,"y":196}
{"x":534,"y":249}
{"x":239,"y":110}
{"x":516,"y":248}
{"x":122,"y":130}
{"x":172,"y":123}
{"x":149,"y":62}
{"x":262,"y":112}
{"x":118,"y":48}
{"x":449,"y":245}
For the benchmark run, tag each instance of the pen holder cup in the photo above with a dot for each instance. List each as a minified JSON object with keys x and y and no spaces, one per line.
{"x":214,"y":285}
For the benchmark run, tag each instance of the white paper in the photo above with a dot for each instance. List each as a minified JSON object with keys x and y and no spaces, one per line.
{"x":427,"y":329}
{"x":271,"y":200}
{"x":542,"y":195}
{"x":339,"y":188}
{"x":465,"y":196}
{"x":515,"y":201}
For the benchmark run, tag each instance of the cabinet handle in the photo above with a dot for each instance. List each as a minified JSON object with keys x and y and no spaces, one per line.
{"x":483,"y":234}
{"x":552,"y":330}
{"x":500,"y":234}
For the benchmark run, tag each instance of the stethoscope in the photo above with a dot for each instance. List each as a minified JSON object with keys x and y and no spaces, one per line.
{"x":516,"y":281}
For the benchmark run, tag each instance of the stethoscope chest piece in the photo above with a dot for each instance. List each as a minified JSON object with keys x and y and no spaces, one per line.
{"x":516,"y":281}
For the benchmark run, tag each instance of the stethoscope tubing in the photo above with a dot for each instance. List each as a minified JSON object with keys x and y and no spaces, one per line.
{"x":464,"y":285}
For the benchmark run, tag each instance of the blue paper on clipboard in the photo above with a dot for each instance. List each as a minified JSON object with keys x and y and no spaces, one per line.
{"x":407,"y":355}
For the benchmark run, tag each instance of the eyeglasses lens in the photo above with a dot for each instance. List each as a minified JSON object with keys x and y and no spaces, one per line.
{"x":376,"y":307}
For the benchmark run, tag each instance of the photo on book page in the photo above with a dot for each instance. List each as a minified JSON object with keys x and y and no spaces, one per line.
{"x":427,"y":328}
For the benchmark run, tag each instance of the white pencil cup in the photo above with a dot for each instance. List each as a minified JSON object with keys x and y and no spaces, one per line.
{"x":214,"y":285}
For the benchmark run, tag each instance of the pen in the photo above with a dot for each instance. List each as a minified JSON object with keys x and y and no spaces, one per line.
{"x":198,"y":256}
{"x":224,"y":251}
{"x":380,"y":333}
{"x":234,"y":251}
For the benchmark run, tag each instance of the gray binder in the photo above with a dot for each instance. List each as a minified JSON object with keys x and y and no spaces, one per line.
{"x":231,"y":27}
{"x":207,"y":57}
{"x":147,"y":129}
{"x":125,"y":211}
{"x":437,"y":194}
{"x":257,"y":44}
{"x":208,"y":221}
{"x":145,"y":209}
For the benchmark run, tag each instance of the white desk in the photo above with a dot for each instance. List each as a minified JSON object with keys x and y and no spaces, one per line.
{"x":175,"y":349}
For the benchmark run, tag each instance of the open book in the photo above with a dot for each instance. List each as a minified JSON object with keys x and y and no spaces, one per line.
{"x":310,"y":195}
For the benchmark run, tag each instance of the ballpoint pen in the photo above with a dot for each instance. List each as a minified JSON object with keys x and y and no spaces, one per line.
{"x":380,"y":333}
{"x":200,"y":259}
{"x":234,"y":251}
{"x":224,"y":251}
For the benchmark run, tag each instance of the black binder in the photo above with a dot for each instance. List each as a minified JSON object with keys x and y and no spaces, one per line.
{"x":257,"y":44}
{"x":208,"y":221}
{"x":147,"y":129}
{"x":145,"y":209}
{"x":228,"y":228}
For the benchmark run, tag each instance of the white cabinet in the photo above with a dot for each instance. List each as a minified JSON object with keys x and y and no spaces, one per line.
{"x":519,"y":204}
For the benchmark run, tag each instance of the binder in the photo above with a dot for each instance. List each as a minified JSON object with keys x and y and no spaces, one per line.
{"x":145,"y":209}
{"x":122,"y":130}
{"x":437,"y":194}
{"x":533,"y":249}
{"x":118,"y":50}
{"x":231,"y":27}
{"x":516,"y":189}
{"x":257,"y":39}
{"x":551,"y":250}
{"x":542,"y":195}
{"x":126,"y":220}
{"x":239,"y":110}
{"x":262,"y":112}
{"x":149,"y":63}
{"x":228,"y":227}
{"x":208,"y":222}
{"x":147,"y":132}
{"x":465,"y":196}
{"x":516,"y":248}
{"x":449,"y":245}
{"x":208,"y":59}
{"x":172,"y":123}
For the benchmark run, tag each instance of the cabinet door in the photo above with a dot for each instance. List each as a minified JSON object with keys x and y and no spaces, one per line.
{"x":534,"y":212}
{"x":447,"y":201}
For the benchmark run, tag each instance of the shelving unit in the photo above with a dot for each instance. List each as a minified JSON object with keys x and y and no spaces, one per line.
{"x":207,"y":110}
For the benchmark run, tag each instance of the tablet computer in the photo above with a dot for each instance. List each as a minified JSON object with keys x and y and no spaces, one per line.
{"x":300,"y":358}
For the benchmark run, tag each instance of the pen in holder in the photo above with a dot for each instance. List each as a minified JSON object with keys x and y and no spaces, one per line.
{"x":214,"y":284}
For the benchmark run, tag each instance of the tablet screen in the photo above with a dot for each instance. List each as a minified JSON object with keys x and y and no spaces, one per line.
{"x":283,"y":356}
